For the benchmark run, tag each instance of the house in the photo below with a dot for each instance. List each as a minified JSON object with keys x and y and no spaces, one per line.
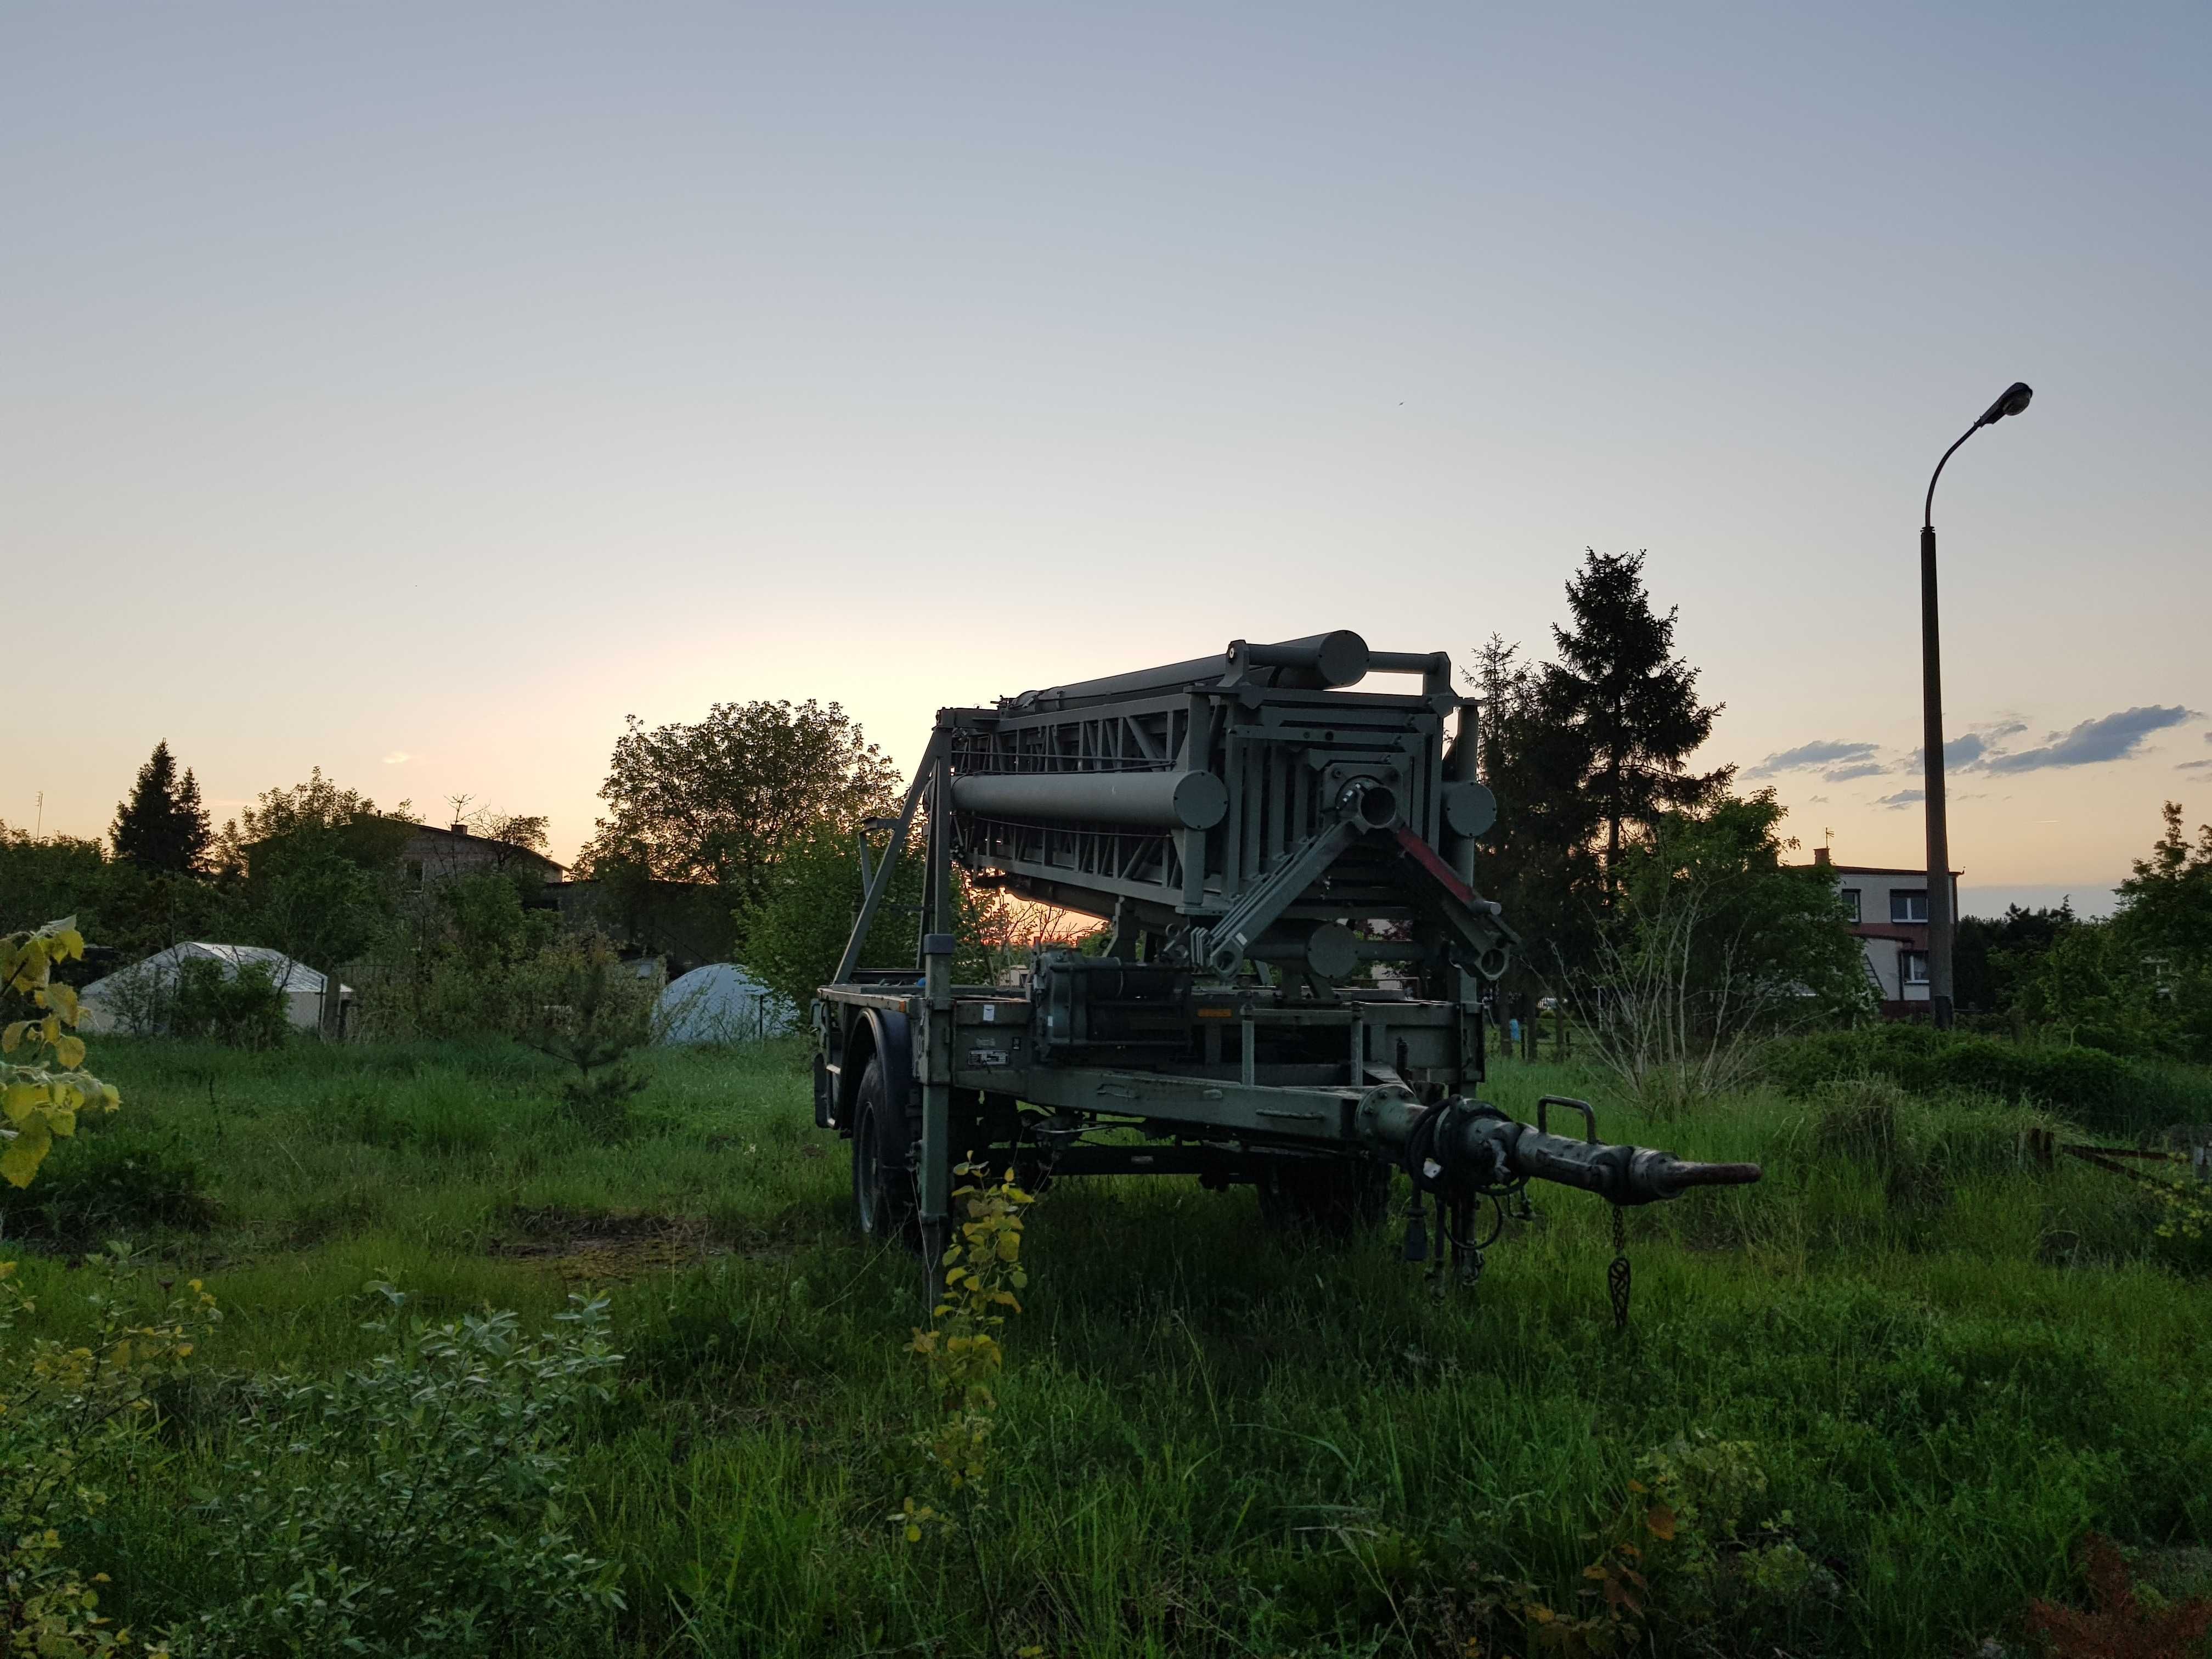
{"x":686,"y":924}
{"x":427,"y":855}
{"x":1887,"y":913}
{"x":433,"y":856}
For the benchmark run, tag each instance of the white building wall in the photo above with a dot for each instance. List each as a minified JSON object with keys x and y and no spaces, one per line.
{"x":1885,"y":958}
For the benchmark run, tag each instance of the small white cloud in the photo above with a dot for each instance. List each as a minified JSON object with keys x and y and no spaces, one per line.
{"x":1902,"y":797}
{"x":397,"y":758}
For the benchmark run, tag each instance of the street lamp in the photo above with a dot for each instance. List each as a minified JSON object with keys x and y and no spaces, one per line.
{"x":1941,"y":922}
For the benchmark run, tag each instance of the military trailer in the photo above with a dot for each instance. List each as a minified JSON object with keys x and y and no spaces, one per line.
{"x":1292,"y":989}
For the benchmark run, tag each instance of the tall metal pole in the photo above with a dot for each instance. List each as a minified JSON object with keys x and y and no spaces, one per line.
{"x":1941,"y":924}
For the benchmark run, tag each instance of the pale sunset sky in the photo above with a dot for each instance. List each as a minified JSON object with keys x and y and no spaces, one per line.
{"x":416,"y":390}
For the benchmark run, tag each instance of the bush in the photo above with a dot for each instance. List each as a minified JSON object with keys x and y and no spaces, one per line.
{"x":101,"y":1187}
{"x":1921,"y":1148}
{"x":579,"y":1001}
{"x":70,"y":1416}
{"x":244,"y":1007}
{"x":2088,"y":1085}
{"x":412,"y":1506}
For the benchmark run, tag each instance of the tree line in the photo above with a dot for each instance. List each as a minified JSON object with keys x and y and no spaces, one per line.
{"x":312,"y":870}
{"x":1639,"y":880}
{"x":2138,"y":982}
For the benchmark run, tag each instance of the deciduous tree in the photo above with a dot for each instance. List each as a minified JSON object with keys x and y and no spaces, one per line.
{"x":796,"y":935}
{"x":2166,"y":904}
{"x":726,"y":799}
{"x":1714,"y":941}
{"x":321,"y":813}
{"x":317,"y":862}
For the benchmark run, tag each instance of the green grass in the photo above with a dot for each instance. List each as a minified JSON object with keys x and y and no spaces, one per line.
{"x":1951,"y":1363}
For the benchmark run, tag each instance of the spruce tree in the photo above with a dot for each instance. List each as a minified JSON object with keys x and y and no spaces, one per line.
{"x":1622,"y":709}
{"x":195,"y":829}
{"x":1537,"y":860}
{"x":162,"y":828}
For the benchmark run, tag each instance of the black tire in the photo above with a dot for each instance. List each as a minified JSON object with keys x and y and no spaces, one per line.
{"x":886,"y":1206}
{"x":1324,"y":1198}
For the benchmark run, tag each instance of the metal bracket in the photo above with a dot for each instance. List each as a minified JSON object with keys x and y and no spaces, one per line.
{"x":1221,"y":947}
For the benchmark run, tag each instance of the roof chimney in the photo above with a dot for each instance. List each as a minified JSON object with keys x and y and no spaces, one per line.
{"x":462,"y":830}
{"x":1820,"y":856}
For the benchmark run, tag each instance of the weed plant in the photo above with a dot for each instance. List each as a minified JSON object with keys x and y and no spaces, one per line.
{"x":1939,"y":1366}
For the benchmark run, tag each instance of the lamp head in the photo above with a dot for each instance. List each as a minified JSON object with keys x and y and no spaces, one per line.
{"x":2011,"y":402}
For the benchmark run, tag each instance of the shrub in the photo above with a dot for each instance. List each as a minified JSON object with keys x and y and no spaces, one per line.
{"x":1698,"y":1559}
{"x":2086,"y":1084}
{"x":67,"y":1411}
{"x":243,"y":1007}
{"x":107,"y":1185}
{"x":2124,"y":1623}
{"x":1920,"y":1148}
{"x":413,"y":1506}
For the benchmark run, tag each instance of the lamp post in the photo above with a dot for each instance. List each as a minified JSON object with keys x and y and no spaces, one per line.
{"x":1941,"y":922}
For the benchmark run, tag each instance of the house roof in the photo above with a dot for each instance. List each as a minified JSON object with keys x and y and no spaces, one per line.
{"x":450,"y":834}
{"x":1872,"y":869}
{"x":482,"y":841}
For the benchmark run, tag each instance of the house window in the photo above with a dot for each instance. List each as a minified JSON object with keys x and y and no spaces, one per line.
{"x":1909,"y":905}
{"x":1914,"y":966}
{"x":1849,"y":896}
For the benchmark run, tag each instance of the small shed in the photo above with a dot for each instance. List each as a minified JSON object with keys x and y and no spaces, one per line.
{"x":136,"y":1000}
{"x":721,"y":1003}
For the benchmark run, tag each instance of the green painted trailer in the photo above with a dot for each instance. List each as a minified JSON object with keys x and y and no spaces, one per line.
{"x":1292,"y":995}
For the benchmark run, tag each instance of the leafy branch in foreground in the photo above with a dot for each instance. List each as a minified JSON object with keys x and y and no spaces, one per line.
{"x":43,"y":1091}
{"x":64,"y":1409}
{"x":960,"y":1350}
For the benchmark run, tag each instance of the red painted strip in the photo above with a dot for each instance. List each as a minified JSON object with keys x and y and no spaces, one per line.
{"x":1425,"y":855}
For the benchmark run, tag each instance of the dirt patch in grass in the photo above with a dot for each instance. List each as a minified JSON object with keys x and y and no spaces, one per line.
{"x":606,"y":1246}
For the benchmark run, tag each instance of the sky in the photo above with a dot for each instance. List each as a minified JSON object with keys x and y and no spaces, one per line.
{"x":416,"y":390}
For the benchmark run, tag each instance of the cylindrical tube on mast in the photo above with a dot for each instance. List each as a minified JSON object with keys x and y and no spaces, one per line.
{"x":1143,"y":800}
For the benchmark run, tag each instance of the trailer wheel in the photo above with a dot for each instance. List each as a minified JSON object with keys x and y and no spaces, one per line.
{"x":885,"y":1204}
{"x":1323,"y":1197}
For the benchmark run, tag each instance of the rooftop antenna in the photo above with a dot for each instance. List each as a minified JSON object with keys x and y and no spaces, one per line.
{"x":40,"y":830}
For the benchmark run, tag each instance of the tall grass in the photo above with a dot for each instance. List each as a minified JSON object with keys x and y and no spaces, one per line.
{"x":1951,"y":1361}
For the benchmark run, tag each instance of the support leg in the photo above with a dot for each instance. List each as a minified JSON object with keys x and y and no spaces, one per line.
{"x":936,"y":1172}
